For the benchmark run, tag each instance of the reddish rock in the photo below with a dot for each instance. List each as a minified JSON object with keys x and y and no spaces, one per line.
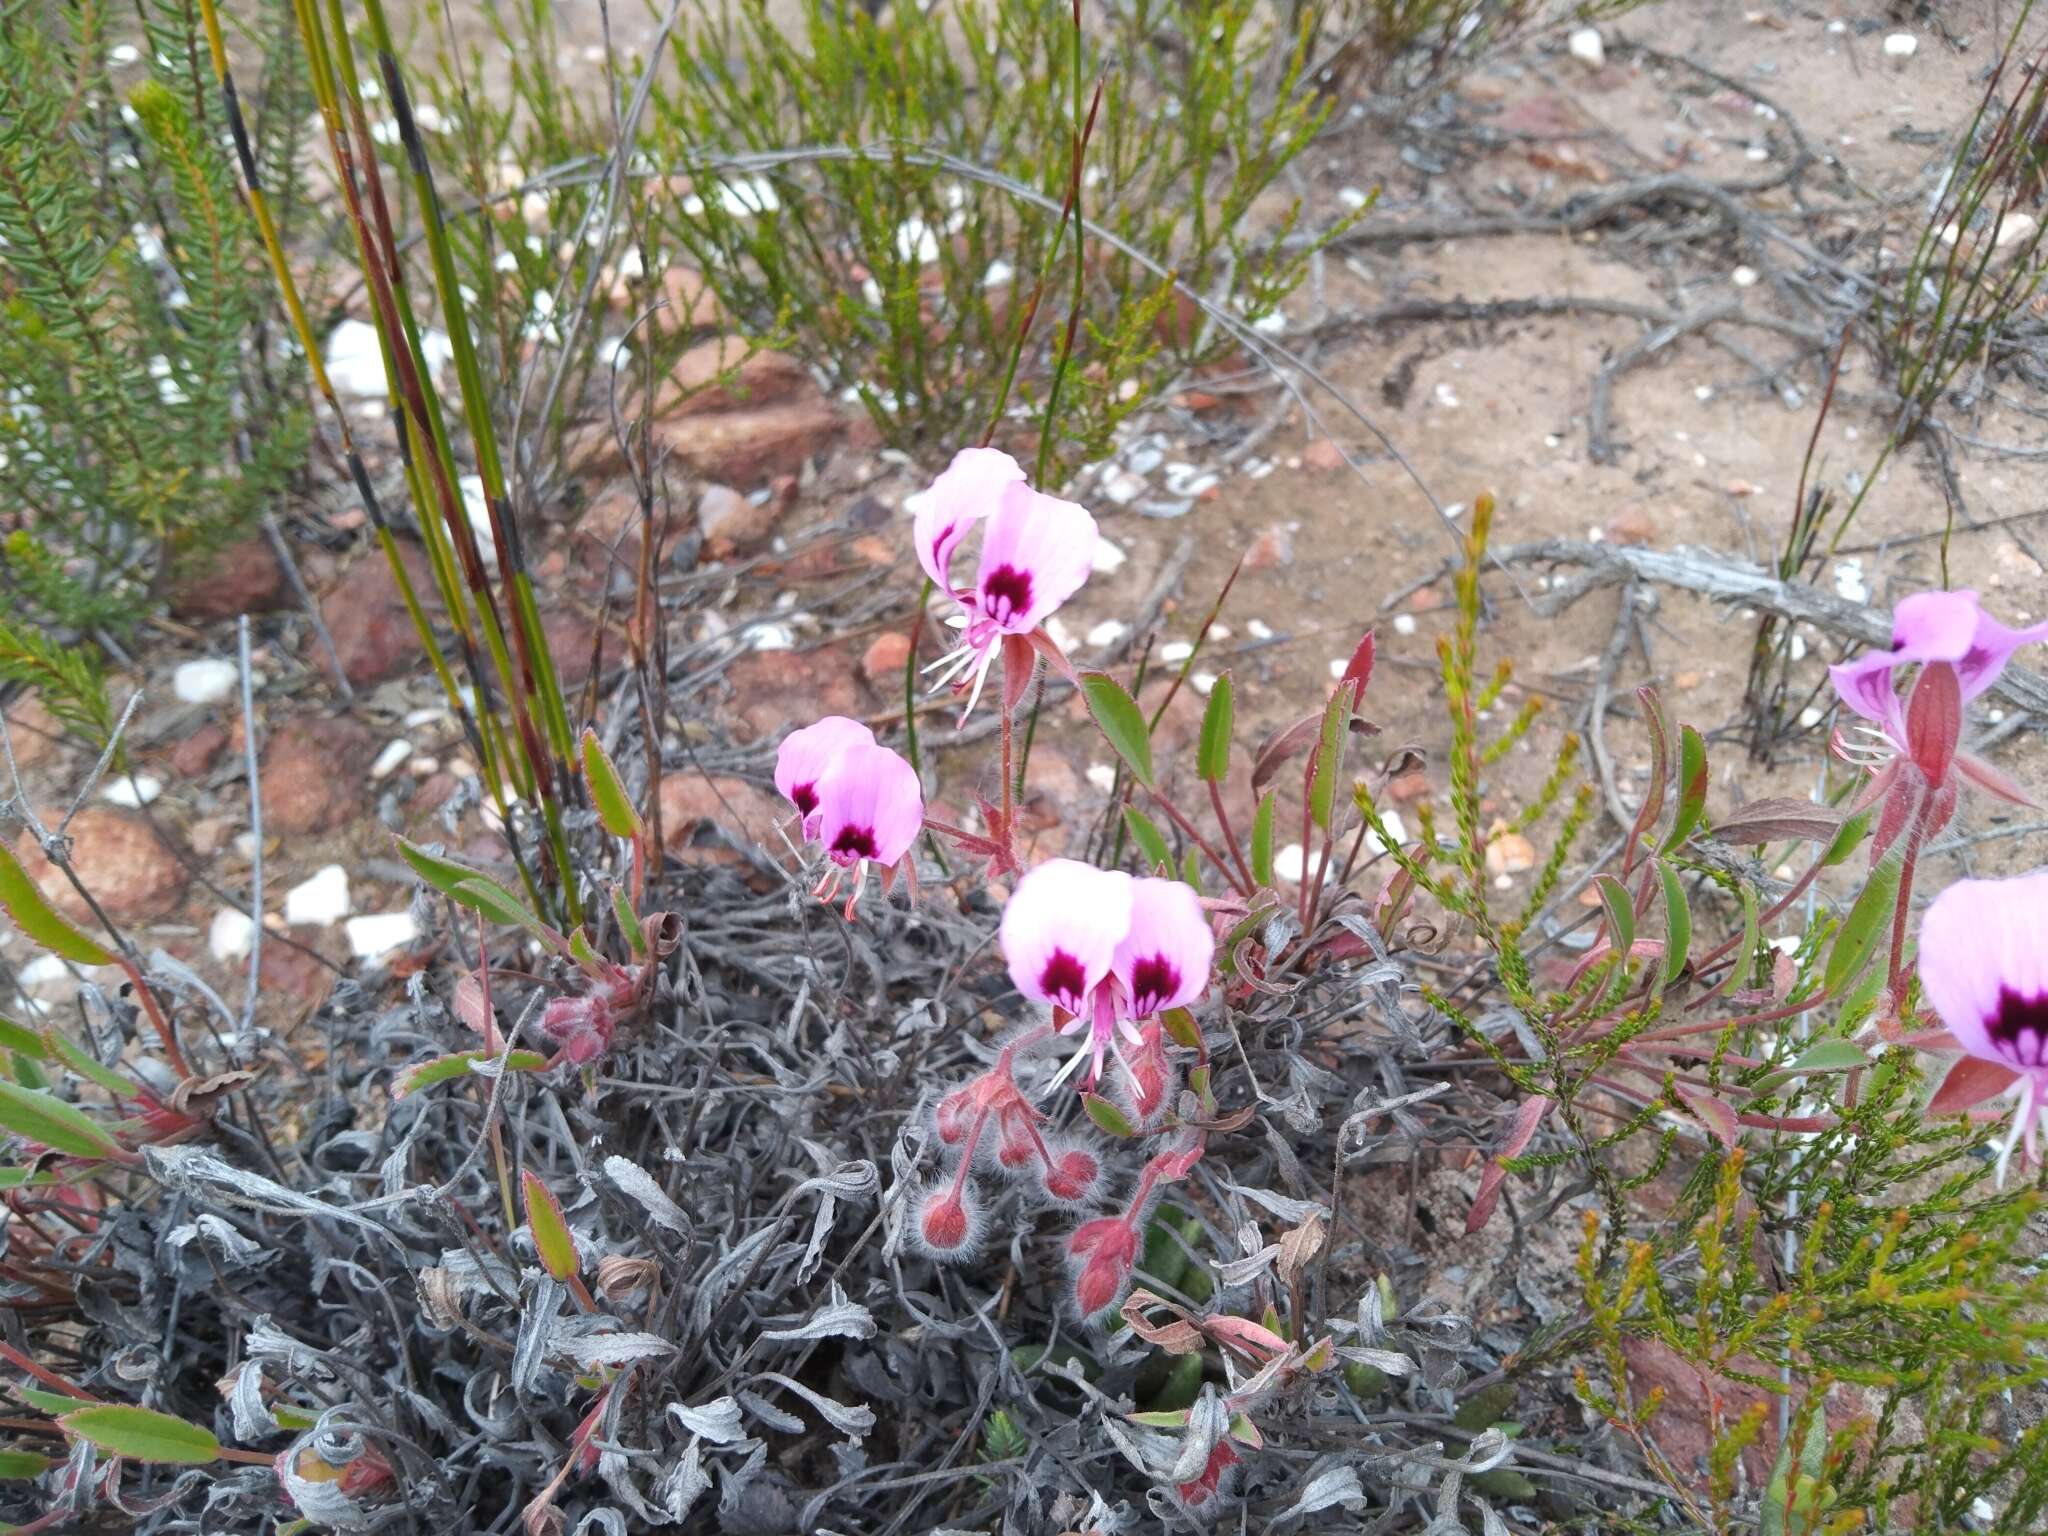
{"x":731,"y":522}
{"x":196,"y":753}
{"x":1273,"y":549}
{"x":1682,"y":1425}
{"x":571,"y":637}
{"x":691,"y":302}
{"x":1631,"y":525}
{"x":883,"y":662}
{"x":692,"y":801}
{"x":209,"y":834}
{"x":243,"y":577}
{"x":1323,"y":454}
{"x":1409,"y":788}
{"x":36,"y":735}
{"x":749,"y":447}
{"x":117,"y":856}
{"x":875,"y":550}
{"x":774,"y":691}
{"x":373,"y":634}
{"x":285,"y":971}
{"x":314,"y":774}
{"x":722,"y":375}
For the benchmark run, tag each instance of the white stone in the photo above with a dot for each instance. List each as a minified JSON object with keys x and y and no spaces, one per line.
{"x":1743,"y":277}
{"x":1108,"y":556}
{"x":205,"y":681}
{"x":1107,"y":633}
{"x":1901,"y":45}
{"x":1404,"y":623}
{"x":1123,"y":487}
{"x":355,"y":362}
{"x":1849,"y":583}
{"x":1396,"y":829}
{"x":132,"y":790}
{"x":1446,"y":397}
{"x":1258,"y":629}
{"x":231,"y":935}
{"x":1102,"y":776}
{"x":1587,"y":47}
{"x":1202,"y":682}
{"x":1291,"y":864}
{"x":394,"y":753}
{"x":1174,"y":652}
{"x":378,"y":933}
{"x":321,"y":901}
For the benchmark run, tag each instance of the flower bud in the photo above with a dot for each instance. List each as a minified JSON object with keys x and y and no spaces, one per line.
{"x":1109,"y":1250}
{"x":947,"y":1219}
{"x":954,"y":1115}
{"x":1072,"y":1174}
{"x":581,"y":1026}
{"x":1016,"y":1146}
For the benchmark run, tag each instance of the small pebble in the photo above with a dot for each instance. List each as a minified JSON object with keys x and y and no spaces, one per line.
{"x":1404,"y":623}
{"x":1202,"y":682}
{"x":206,"y":681}
{"x":378,"y":933}
{"x":321,"y":901}
{"x":1743,"y":277}
{"x":1108,"y":557}
{"x":1849,"y":583}
{"x":1102,"y":776}
{"x":133,"y":790}
{"x":1587,"y":47}
{"x":1174,"y":652}
{"x":1107,"y":633}
{"x":1901,"y":45}
{"x":394,"y":753}
{"x":231,"y":935}
{"x":1123,"y":487}
{"x":1258,"y":629}
{"x":1810,"y":717}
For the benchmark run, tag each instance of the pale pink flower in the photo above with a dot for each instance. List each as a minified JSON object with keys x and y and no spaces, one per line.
{"x":870,"y":810}
{"x":1109,"y":950}
{"x":808,"y":755}
{"x":1036,"y":551}
{"x":1983,"y":966}
{"x":1946,"y":627}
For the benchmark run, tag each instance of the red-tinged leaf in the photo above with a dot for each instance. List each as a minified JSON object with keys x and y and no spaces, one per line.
{"x":1359,"y":669}
{"x":552,"y":1239}
{"x":1178,"y":1337}
{"x":1621,"y":911}
{"x":1182,"y":1029}
{"x":23,"y":900}
{"x":1047,"y":647}
{"x":607,"y":790}
{"x":469,"y":1006}
{"x":1245,"y":1336}
{"x":1970,"y":1082}
{"x":1282,"y":745}
{"x":1991,"y":781}
{"x":1692,"y":787}
{"x":1778,"y":818}
{"x":1934,"y":720}
{"x":1660,"y":767}
{"x":1715,"y":1114}
{"x":1521,"y":1131}
{"x":1020,"y":660}
{"x":1939,"y":1041}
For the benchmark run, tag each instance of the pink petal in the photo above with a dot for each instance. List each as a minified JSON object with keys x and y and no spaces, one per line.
{"x":1990,"y":650}
{"x":1164,"y":960}
{"x":967,"y":492}
{"x":870,"y":806}
{"x":1060,"y":930}
{"x":1035,"y":553}
{"x":1991,"y":780}
{"x":807,"y":756}
{"x":1983,"y":965}
{"x":1935,"y":626}
{"x":1865,"y":685}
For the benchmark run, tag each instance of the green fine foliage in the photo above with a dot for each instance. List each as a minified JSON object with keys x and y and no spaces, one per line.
{"x":148,"y":414}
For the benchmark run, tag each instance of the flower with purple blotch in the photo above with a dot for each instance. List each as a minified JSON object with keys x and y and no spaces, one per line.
{"x":861,"y":802}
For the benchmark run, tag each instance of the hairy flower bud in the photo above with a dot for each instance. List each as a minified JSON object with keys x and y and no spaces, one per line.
{"x":1072,"y":1174}
{"x":948,"y":1219}
{"x":1108,"y":1250}
{"x":581,"y":1026}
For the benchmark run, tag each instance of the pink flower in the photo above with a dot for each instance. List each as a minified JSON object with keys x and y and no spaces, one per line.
{"x":1109,"y":950}
{"x":870,"y":810}
{"x":1036,"y":551}
{"x":1984,"y":970}
{"x":807,"y":756}
{"x":1951,"y":639}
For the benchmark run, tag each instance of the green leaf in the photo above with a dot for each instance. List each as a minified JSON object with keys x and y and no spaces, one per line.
{"x":1822,"y":1056}
{"x":16,"y":1465}
{"x":1191,"y":867}
{"x":1485,"y":1408}
{"x":49,"y":1121}
{"x":629,"y":924}
{"x":24,"y":902}
{"x":23,"y":1178}
{"x":1150,"y":840}
{"x":142,"y":1434}
{"x":1790,"y":1500}
{"x":1183,"y":1385}
{"x":1329,"y":762}
{"x":1163,"y":1257}
{"x":1121,"y":722}
{"x":1677,"y":922}
{"x":476,"y":890}
{"x":1181,"y":1028}
{"x":552,"y":1239}
{"x":1212,"y":759}
{"x":614,"y":806}
{"x":1621,"y":912}
{"x":581,"y":952}
{"x":1866,"y":924}
{"x":1507,"y":1485}
{"x":1848,"y":837}
{"x":85,"y":1066}
{"x":1106,"y":1115}
{"x":55,"y":1403}
{"x":1692,"y":787}
{"x":443,"y":1069}
{"x":22,"y":1040}
{"x":1262,"y":838}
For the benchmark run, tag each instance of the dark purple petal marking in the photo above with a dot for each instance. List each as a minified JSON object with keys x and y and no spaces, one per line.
{"x":2019,"y":1028}
{"x":853,"y":843}
{"x":1153,"y":980}
{"x":1063,"y":977}
{"x":1006,"y":593}
{"x":804,"y":797}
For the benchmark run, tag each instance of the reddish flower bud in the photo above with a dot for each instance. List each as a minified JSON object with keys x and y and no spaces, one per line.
{"x":1072,"y":1174}
{"x":947,"y":1220}
{"x":581,"y":1026}
{"x":1110,"y":1248}
{"x":954,"y":1115}
{"x":1016,"y":1144}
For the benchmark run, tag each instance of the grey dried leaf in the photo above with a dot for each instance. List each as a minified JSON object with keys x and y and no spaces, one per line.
{"x":243,"y":1389}
{"x":536,"y":1331}
{"x":686,"y":1482}
{"x":1387,"y":1361}
{"x":717,"y":1421}
{"x":319,"y":1500}
{"x":198,"y":1173}
{"x":1300,"y":1245}
{"x":441,"y":1297}
{"x":726,"y":1274}
{"x":615,"y":1348}
{"x":1327,"y":1485}
{"x":855,"y":1421}
{"x":1283,"y":1206}
{"x":776,"y":1418}
{"x":637,"y":1184}
{"x":219,"y":1235}
{"x":734,"y":1481}
{"x":1247,"y":1269}
{"x":1208,"y":1420}
{"x":839,"y":1318}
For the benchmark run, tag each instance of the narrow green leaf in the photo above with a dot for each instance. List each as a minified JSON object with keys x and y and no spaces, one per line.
{"x":1150,"y":840}
{"x":50,"y":1122}
{"x":46,"y":1401}
{"x":444,"y":1069}
{"x":27,"y":1071}
{"x":1692,"y":787}
{"x":1660,"y":765}
{"x":1212,"y":759}
{"x":85,"y":1066}
{"x":607,"y":792}
{"x":1866,"y":924}
{"x":485,"y":895}
{"x":1822,"y":1056}
{"x":24,"y":1178}
{"x":1677,"y":922}
{"x":22,"y":1040}
{"x":24,"y":902}
{"x":1329,"y":763}
{"x":1848,"y":837}
{"x":552,"y":1239}
{"x":1106,"y":1115}
{"x":16,"y":1465}
{"x":629,"y":924}
{"x":581,"y":952}
{"x":1182,"y":1029}
{"x":1621,"y":912}
{"x":1191,"y":867}
{"x":1121,"y":722}
{"x":1262,"y":838}
{"x":142,"y":1434}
